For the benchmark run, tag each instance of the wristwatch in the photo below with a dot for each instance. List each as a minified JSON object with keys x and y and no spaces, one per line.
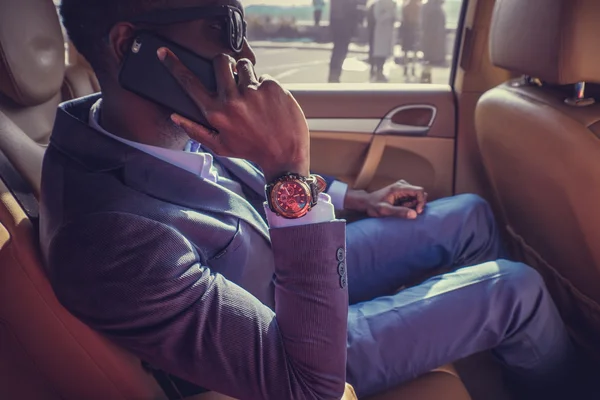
{"x":293,"y":196}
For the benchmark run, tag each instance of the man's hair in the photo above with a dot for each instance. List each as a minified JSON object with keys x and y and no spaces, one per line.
{"x":88,"y":22}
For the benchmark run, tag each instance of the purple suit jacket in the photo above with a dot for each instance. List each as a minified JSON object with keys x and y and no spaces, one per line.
{"x":186,"y":274}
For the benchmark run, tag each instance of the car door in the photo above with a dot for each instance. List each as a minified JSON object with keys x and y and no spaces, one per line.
{"x":365,"y":133}
{"x":371,"y":137}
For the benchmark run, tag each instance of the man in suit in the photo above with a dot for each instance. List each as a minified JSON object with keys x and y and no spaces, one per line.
{"x":157,"y":233}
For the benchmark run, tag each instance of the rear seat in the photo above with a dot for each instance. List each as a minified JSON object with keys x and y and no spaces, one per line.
{"x":45,"y":352}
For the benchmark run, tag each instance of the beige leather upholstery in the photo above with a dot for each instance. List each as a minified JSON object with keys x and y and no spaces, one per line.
{"x":440,"y":384}
{"x":46,"y":353}
{"x":30,"y":74}
{"x":79,"y":79}
{"x":33,"y":81}
{"x":542,"y":154}
{"x":553,"y":40}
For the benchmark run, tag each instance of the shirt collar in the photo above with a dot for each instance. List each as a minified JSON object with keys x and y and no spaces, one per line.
{"x":198,"y":163}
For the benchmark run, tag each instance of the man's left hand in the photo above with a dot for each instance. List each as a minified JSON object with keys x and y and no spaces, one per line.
{"x":400,"y":199}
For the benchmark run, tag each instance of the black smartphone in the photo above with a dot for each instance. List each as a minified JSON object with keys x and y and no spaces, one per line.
{"x":145,"y":75}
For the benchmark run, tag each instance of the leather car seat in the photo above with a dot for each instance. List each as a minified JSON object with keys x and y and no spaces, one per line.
{"x":80,"y":79}
{"x":45,"y":352}
{"x":541,"y":148}
{"x":33,"y":81}
{"x":440,"y":384}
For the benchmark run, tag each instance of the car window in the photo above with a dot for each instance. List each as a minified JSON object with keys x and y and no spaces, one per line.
{"x":354,"y":41}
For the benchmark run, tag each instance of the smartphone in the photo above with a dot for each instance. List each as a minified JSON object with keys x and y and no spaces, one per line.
{"x":145,"y":75}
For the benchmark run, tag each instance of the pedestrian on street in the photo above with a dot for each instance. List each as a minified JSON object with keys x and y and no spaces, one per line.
{"x":409,"y":33}
{"x":318,"y":6}
{"x":381,"y":19}
{"x":434,"y":33}
{"x":344,"y":19}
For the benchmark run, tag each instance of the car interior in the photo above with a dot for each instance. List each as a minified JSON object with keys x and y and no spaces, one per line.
{"x":518,"y":125}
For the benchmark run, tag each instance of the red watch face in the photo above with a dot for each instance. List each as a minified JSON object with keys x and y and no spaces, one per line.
{"x":291,"y":199}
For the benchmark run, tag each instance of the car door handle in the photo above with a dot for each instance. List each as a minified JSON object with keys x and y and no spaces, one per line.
{"x":410,"y":120}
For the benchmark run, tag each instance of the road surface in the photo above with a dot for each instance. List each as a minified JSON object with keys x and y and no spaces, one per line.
{"x":297,"y":65}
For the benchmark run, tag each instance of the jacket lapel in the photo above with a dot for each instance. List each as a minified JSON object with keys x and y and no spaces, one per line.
{"x":77,"y":140}
{"x":175,"y":185}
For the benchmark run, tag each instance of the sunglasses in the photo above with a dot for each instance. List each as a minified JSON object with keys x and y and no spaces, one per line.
{"x":233,"y":17}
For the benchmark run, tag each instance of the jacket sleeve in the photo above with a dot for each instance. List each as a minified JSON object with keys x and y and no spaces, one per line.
{"x":142,"y":284}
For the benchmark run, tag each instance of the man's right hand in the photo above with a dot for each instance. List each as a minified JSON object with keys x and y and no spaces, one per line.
{"x":256,"y":119}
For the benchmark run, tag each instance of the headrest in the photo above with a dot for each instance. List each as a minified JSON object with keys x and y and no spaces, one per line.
{"x":553,"y":40}
{"x":32,"y":51}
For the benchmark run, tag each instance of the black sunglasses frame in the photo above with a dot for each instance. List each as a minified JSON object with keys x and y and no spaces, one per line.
{"x":176,"y":15}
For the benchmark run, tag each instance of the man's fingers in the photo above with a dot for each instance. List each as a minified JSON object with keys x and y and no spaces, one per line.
{"x":405,"y":190}
{"x":388,"y":210}
{"x":420,"y":201}
{"x":421,"y":206}
{"x":419,"y":195}
{"x":246,"y":74}
{"x":226,"y":85}
{"x":198,"y":132}
{"x":188,"y":81}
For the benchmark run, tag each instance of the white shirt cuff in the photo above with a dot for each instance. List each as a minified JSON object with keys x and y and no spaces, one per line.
{"x":322,"y":212}
{"x":337,"y":191}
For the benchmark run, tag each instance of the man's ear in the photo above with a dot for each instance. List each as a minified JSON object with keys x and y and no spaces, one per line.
{"x":120,"y":39}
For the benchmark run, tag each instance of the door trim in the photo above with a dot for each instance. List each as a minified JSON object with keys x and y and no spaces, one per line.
{"x":344,"y":125}
{"x":389,"y":127}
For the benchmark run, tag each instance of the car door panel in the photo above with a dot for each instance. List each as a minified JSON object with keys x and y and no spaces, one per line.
{"x":372,"y":135}
{"x":375,"y":136}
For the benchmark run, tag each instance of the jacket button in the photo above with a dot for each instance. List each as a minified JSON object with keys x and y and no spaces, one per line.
{"x":343,"y":281}
{"x":341,"y":254}
{"x":342,"y":268}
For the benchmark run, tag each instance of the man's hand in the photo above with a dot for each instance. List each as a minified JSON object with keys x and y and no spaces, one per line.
{"x":256,"y":119}
{"x":400,"y":199}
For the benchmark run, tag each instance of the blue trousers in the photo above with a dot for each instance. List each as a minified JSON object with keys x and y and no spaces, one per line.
{"x":485,"y":303}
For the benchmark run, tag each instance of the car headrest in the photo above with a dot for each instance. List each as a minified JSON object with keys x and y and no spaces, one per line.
{"x":32,"y":51}
{"x":553,"y":40}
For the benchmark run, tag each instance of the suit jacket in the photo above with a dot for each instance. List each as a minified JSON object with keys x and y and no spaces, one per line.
{"x":186,"y":274}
